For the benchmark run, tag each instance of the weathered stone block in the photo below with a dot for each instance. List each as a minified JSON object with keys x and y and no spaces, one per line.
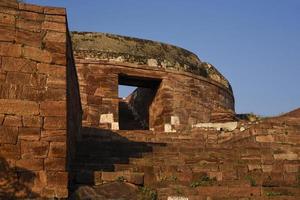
{"x":55,"y":164}
{"x":7,"y":19}
{"x":31,"y":134}
{"x":53,"y":108}
{"x":56,"y":82}
{"x":55,"y":11}
{"x":12,"y":120}
{"x":28,"y":25}
{"x":265,"y":138}
{"x":37,"y":54}
{"x":13,"y":50}
{"x":52,"y":70}
{"x":107,"y":118}
{"x":59,"y":59}
{"x":7,"y":34}
{"x":18,"y":64}
{"x":18,"y":78}
{"x":57,"y":150}
{"x":54,"y":94}
{"x":54,"y":135}
{"x":55,"y":123}
{"x":32,"y":121}
{"x":9,"y":4}
{"x":31,"y":7}
{"x":29,"y":38}
{"x":54,"y":26}
{"x":55,"y":18}
{"x":135,"y":178}
{"x":30,"y":164}
{"x":8,"y":135}
{"x":52,"y":36}
{"x":57,"y":47}
{"x":10,"y":151}
{"x":286,"y":156}
{"x":18,"y":107}
{"x":33,"y":16}
{"x":34,"y":149}
{"x":290,"y":168}
{"x":57,"y":179}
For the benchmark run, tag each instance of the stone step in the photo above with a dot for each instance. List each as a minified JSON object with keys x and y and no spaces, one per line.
{"x":100,"y":177}
{"x":225,"y":192}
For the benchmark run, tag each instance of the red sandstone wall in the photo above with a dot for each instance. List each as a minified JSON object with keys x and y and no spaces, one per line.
{"x":181,"y":100}
{"x":33,"y":114}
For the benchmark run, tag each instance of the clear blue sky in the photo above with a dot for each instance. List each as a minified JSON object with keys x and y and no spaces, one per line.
{"x":254,"y":43}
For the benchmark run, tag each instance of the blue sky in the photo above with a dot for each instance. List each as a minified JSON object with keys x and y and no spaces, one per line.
{"x":254,"y":43}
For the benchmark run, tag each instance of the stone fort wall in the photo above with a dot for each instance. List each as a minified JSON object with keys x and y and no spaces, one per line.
{"x":184,"y":95}
{"x":37,"y":133}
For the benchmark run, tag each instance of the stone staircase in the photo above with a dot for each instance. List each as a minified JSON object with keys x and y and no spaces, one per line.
{"x":260,"y":161}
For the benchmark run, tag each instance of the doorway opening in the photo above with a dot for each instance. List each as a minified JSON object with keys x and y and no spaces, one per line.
{"x":136,"y":95}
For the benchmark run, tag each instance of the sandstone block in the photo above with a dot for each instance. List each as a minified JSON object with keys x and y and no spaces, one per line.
{"x":286,"y":156}
{"x":57,"y":150}
{"x":12,"y":120}
{"x":18,"y":78}
{"x":54,"y":94}
{"x":7,"y":19}
{"x":55,"y":123}
{"x":7,"y":34}
{"x":8,"y":135}
{"x":18,"y":64}
{"x":107,"y":118}
{"x":135,"y":178}
{"x":32,"y":121}
{"x":30,"y":164}
{"x":52,"y":70}
{"x":244,"y":191}
{"x":37,"y":54}
{"x":265,"y":138}
{"x":54,"y":26}
{"x":18,"y":107}
{"x":55,"y":18}
{"x":24,"y":24}
{"x":217,"y":175}
{"x":57,"y":179}
{"x":56,"y":82}
{"x":34,"y":149}
{"x":290,"y":168}
{"x":267,"y":168}
{"x":55,"y":11}
{"x":13,"y":50}
{"x":10,"y":151}
{"x":31,"y":134}
{"x":55,"y":164}
{"x":252,"y":167}
{"x":54,"y":135}
{"x":57,"y":47}
{"x":111,"y":176}
{"x":53,"y":108}
{"x":59,"y":59}
{"x":31,"y":16}
{"x":10,"y":4}
{"x":31,"y":7}
{"x":53,"y":36}
{"x":29,"y":38}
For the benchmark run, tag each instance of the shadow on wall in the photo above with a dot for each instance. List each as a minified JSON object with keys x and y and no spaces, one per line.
{"x":105,"y":150}
{"x":15,"y":183}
